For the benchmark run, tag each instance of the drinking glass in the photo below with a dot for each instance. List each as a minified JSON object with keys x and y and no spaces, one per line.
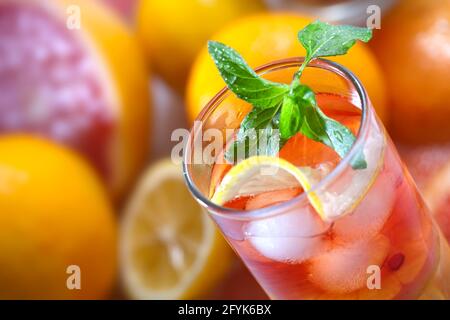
{"x":379,"y":241}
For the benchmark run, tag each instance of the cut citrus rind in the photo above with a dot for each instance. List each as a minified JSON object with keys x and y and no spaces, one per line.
{"x":170,"y":249}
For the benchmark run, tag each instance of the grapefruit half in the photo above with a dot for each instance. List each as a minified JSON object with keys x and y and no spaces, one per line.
{"x":72,"y":72}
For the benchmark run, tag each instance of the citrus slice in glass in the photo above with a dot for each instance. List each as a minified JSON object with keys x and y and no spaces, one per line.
{"x":259,"y":174}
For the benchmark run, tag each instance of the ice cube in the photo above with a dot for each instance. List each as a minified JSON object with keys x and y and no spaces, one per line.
{"x":371,"y":213}
{"x":345,"y":268}
{"x":347,"y":189}
{"x":288,"y":237}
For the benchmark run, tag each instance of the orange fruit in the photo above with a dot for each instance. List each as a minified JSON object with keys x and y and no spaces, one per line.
{"x":54,"y":214}
{"x":72,"y":84}
{"x":174,"y":31}
{"x":263,"y":38}
{"x":413,"y":48}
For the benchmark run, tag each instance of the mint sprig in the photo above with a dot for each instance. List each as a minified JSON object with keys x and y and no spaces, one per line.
{"x":287,"y":109}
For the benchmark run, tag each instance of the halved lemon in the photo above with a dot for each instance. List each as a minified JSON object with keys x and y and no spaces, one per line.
{"x":170,"y":248}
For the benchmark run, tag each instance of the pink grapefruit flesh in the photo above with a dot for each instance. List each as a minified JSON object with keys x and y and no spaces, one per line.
{"x":51,"y":85}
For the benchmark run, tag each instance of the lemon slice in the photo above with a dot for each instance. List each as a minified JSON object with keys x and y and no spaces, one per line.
{"x":264,"y":173}
{"x":260,"y":174}
{"x":170,"y":248}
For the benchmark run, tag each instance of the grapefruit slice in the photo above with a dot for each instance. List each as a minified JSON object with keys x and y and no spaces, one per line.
{"x":84,"y":87}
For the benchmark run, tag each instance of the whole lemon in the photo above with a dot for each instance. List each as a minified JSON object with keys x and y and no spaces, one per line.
{"x":58,"y":230}
{"x":173,"y":31}
{"x":263,"y":38}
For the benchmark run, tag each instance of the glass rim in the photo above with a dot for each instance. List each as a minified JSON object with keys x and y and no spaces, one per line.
{"x":265,"y":212}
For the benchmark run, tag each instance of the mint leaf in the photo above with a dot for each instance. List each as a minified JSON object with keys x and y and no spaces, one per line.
{"x":359,"y":161}
{"x":290,"y":117}
{"x":293,"y":109}
{"x":243,"y":81}
{"x":321,"y":39}
{"x":258,"y":135}
{"x":314,"y":126}
{"x":319,"y":127}
{"x":340,"y":137}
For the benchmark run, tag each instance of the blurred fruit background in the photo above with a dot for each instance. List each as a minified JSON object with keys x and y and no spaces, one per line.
{"x":91,"y":90}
